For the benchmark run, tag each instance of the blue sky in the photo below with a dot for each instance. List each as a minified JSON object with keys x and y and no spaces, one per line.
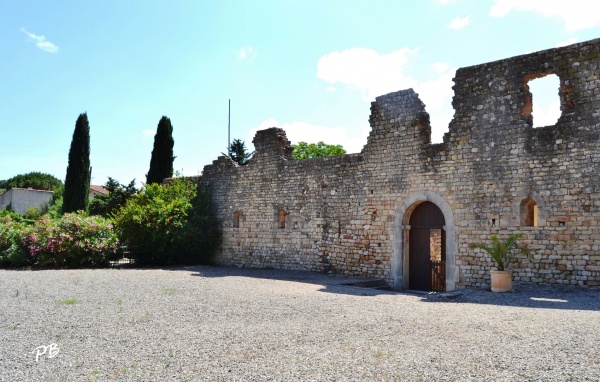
{"x":310,"y":67}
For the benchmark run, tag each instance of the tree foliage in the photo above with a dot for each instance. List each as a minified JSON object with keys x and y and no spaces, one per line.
{"x":77,"y":181}
{"x":305,"y":150}
{"x":35,"y":180}
{"x":168,"y":224}
{"x":55,"y":206}
{"x":117,"y":196}
{"x":161,"y":161}
{"x":238,"y":153}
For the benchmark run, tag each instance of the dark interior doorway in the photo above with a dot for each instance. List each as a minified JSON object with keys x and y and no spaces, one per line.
{"x":427,"y":249}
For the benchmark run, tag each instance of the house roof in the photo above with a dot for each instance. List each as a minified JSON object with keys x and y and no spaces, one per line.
{"x":96,"y":189}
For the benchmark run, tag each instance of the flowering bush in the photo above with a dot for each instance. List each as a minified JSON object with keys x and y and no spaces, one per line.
{"x":73,"y":241}
{"x":13,"y":252}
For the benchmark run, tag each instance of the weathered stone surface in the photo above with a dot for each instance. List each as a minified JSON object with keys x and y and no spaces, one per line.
{"x":349,"y":214}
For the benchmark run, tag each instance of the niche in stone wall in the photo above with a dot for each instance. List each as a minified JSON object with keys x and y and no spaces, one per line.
{"x":281,"y":216}
{"x":236,"y":219}
{"x":529,"y":213}
{"x":542,"y":99}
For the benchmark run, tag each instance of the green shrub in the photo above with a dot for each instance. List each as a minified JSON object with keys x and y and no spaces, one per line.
{"x":55,"y":205}
{"x":201,"y":236}
{"x":167,"y":224}
{"x":11,"y":214}
{"x":33,"y":213}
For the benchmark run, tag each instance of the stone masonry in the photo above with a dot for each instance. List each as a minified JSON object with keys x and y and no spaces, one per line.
{"x":351,"y":214}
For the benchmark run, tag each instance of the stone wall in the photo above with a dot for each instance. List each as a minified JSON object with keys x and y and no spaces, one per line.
{"x":350,"y":214}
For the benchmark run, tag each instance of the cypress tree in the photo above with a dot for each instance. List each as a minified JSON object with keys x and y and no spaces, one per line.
{"x":161,"y":162}
{"x":77,"y":181}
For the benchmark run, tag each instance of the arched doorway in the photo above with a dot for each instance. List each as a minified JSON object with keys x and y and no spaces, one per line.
{"x":401,"y":247}
{"x":427,"y":249}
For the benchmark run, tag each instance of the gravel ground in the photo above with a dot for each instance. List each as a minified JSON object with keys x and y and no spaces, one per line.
{"x":229,"y":324}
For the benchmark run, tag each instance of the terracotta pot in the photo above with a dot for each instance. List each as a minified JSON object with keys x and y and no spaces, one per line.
{"x":501,"y":281}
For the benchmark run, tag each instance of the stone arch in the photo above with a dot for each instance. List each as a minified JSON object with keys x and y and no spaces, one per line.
{"x":400,"y":242}
{"x":528,"y":211}
{"x":520,"y":206}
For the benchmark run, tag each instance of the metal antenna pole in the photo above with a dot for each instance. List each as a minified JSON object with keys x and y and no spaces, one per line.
{"x":229,"y":128}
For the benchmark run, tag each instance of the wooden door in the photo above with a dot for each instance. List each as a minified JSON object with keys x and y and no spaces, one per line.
{"x":425,"y":244}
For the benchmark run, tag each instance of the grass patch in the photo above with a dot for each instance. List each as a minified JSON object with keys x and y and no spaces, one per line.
{"x":170,"y":291}
{"x":145,"y":318}
{"x":70,"y":301}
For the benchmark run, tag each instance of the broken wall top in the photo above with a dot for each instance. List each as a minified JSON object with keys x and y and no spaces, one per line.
{"x":492,"y":101}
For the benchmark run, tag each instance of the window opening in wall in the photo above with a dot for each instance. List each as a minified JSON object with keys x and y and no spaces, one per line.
{"x":236,"y":219}
{"x":529,"y":213}
{"x":281,"y":219}
{"x":542,"y":103}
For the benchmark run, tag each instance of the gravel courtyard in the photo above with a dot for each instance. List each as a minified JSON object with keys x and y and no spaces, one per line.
{"x":229,"y":324}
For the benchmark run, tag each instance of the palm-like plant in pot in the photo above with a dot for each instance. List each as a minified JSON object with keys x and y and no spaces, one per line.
{"x":501,"y":252}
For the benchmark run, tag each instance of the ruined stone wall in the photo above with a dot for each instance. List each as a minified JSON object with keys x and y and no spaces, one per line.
{"x":349,"y":214}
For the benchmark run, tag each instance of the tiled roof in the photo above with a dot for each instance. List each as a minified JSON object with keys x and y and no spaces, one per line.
{"x":95,"y":189}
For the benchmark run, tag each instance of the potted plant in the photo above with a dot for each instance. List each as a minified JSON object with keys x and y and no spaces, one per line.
{"x":502,"y":251}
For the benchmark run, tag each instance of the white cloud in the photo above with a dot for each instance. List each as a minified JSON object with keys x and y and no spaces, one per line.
{"x":576,"y":14}
{"x":41,"y":42}
{"x":570,"y":41}
{"x":149,"y":133}
{"x":302,"y":131}
{"x":459,"y":23}
{"x":247,"y":53}
{"x":374,"y":74}
{"x":440,"y":67}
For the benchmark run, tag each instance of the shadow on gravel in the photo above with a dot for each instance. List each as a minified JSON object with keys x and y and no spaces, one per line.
{"x":538,"y":296}
{"x":528,"y":296}
{"x":331,"y":283}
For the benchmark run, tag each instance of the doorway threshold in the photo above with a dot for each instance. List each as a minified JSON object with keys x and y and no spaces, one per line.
{"x":450,"y":294}
{"x":371,"y":284}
